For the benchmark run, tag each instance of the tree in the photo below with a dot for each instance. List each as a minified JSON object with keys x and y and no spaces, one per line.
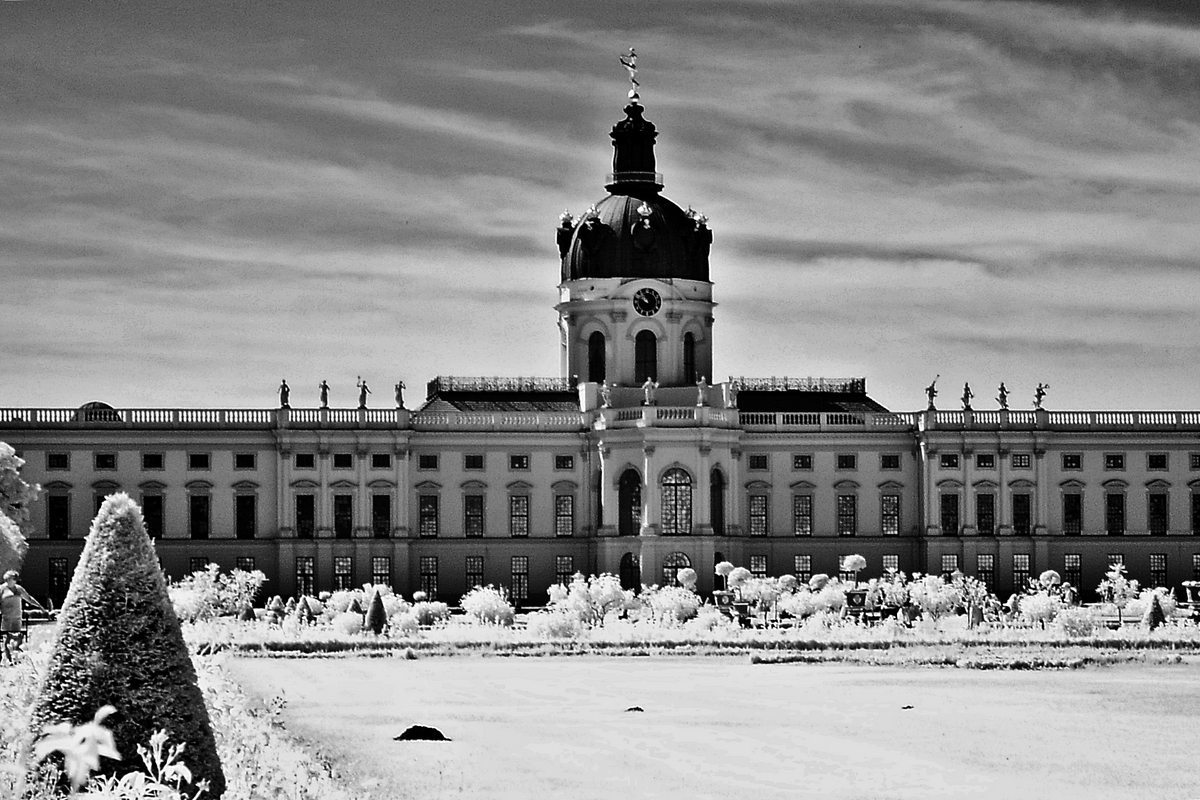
{"x":119,"y":642}
{"x":376,"y":616}
{"x":15,"y":498}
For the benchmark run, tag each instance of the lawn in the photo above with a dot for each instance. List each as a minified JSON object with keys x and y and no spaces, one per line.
{"x":721,"y":727}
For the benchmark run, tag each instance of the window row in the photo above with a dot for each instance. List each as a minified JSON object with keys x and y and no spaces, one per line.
{"x":1158,"y":520}
{"x":429,"y":515}
{"x":199,"y":515}
{"x":151,"y":462}
{"x":804,"y":462}
{"x":1116,"y":462}
{"x":472,"y":462}
{"x":846,"y":516}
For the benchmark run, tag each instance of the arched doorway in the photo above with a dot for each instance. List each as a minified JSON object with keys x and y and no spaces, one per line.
{"x":676,"y":503}
{"x":645,"y":357}
{"x":716,"y":501}
{"x":671,"y":566}
{"x":631,"y":572}
{"x":596,"y":357}
{"x":629,"y":502}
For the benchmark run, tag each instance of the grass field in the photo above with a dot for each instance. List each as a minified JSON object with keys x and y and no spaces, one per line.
{"x":723,"y":728}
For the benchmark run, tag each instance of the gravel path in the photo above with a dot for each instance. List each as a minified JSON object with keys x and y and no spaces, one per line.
{"x":723,"y":728}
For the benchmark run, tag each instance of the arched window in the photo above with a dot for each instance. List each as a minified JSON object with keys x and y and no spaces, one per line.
{"x":689,"y":358}
{"x":596,"y":357}
{"x":676,"y":503}
{"x":645,"y":357}
{"x":671,"y":566}
{"x":716,"y":501}
{"x":629,"y":502}
{"x":631,"y":572}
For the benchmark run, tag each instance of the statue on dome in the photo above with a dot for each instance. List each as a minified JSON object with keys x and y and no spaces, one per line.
{"x":733,"y":393}
{"x":629,"y":62}
{"x":966,"y":396}
{"x":1039,"y":394}
{"x":931,"y":392}
{"x":702,"y":392}
{"x":363,"y":391}
{"x":605,"y":394}
{"x":284,"y":394}
{"x":648,"y":390}
{"x":400,"y":387}
{"x":324,"y":387}
{"x":566,"y":226}
{"x":1002,"y":397}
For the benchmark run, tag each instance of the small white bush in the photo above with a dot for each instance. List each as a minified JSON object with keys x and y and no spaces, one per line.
{"x":488,"y":606}
{"x":554,"y":624}
{"x":348,"y":623}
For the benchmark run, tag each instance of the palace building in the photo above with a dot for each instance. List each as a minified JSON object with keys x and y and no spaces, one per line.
{"x":632,"y":462}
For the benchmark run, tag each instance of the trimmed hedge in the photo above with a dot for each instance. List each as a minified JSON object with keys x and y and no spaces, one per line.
{"x":119,"y":642}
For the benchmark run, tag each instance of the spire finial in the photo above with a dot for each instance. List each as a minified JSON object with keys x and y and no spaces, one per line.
{"x":630,"y":64}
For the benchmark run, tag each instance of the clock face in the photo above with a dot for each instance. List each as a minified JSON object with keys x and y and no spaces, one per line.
{"x":647,"y":302}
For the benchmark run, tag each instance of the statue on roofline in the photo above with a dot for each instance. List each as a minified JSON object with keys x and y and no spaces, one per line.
{"x":284,"y":394}
{"x":400,"y":387}
{"x":966,"y":396}
{"x":324,"y":387}
{"x":1002,"y":397}
{"x":363,"y":391}
{"x":931,"y":391}
{"x":1039,"y":394}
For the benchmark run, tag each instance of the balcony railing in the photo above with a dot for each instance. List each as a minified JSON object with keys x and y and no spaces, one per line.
{"x":825,"y":421}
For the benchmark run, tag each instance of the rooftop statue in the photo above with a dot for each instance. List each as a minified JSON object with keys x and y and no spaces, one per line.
{"x":1002,"y":398}
{"x":931,"y":391}
{"x":1039,"y":394}
{"x":324,"y":387}
{"x":363,"y":391}
{"x":966,"y":396}
{"x":284,"y":394}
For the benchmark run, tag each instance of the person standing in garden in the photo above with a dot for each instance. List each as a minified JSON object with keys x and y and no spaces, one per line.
{"x":12,"y":595}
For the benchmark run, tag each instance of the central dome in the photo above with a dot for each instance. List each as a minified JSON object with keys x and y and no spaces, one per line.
{"x":634,"y":232}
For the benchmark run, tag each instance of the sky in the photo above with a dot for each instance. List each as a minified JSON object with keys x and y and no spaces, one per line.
{"x":203,"y":198}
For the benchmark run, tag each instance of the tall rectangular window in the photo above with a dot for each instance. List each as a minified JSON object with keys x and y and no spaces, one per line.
{"x":381,"y":570}
{"x":520,"y":578}
{"x":343,"y":516}
{"x":381,"y":515}
{"x":847,"y":515}
{"x":199,"y":518}
{"x":1022,"y":512}
{"x":758,"y":515}
{"x":803,"y":568}
{"x":1020,"y":571}
{"x":890,"y":562}
{"x":429,"y":577}
{"x":245,"y":513}
{"x":985,"y":514}
{"x":1156,"y":506}
{"x":1114,"y":513}
{"x":564,"y":569}
{"x":473,"y":515}
{"x":949,"y":562}
{"x":889,"y":514}
{"x":950,"y":514}
{"x":1158,"y":569}
{"x":758,"y":566}
{"x":474,"y":572}
{"x":58,"y":516}
{"x":60,"y":580}
{"x":1072,"y":514}
{"x":343,"y":573}
{"x":1073,"y":569}
{"x":306,"y":578}
{"x":306,"y":515}
{"x":564,"y":515}
{"x":802,"y":514}
{"x":985,"y":570}
{"x":518,"y":515}
{"x":427,"y":512}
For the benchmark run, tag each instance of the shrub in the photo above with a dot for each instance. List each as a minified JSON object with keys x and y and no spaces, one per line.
{"x":590,"y":600}
{"x":376,"y":616}
{"x":1040,"y":608}
{"x":403,"y":624}
{"x":1076,"y":622}
{"x":671,"y":605}
{"x":119,"y":642}
{"x":429,"y":613}
{"x":488,"y":606}
{"x":15,"y":498}
{"x":554,"y":624}
{"x":348,"y":623}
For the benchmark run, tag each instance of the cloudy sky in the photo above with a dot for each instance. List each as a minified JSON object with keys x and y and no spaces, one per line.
{"x":201,"y":198}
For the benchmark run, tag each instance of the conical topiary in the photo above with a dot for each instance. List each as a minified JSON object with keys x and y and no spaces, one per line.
{"x":304,"y":612}
{"x":247,"y":614}
{"x":376,"y":614}
{"x":118,"y":642}
{"x":355,"y":607}
{"x":1155,"y":615}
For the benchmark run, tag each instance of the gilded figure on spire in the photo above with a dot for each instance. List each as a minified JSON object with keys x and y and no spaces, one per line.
{"x":630,"y":64}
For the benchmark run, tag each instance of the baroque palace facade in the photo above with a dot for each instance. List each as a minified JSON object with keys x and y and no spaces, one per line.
{"x":635,"y":464}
